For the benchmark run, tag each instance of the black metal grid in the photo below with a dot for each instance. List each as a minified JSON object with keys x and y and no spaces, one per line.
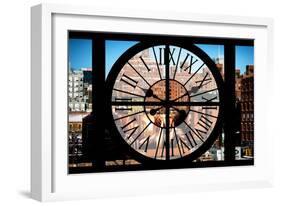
{"x":98,"y":85}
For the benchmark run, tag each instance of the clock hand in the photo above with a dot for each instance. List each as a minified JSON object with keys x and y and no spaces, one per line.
{"x":143,"y":89}
{"x":154,"y":111}
{"x":192,"y":90}
{"x":173,"y":100}
{"x":195,"y":89}
{"x":178,"y":110}
{"x":150,"y":93}
{"x":181,"y":111}
{"x":180,"y":117}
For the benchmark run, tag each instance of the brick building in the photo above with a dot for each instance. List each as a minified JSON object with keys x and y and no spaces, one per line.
{"x":244,"y":90}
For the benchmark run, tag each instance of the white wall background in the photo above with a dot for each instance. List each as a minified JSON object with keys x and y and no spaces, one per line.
{"x":15,"y":100}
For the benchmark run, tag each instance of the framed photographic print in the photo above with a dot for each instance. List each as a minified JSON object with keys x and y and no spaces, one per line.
{"x":141,"y":101}
{"x":167,"y":102}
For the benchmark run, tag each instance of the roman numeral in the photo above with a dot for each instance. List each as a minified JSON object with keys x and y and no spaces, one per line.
{"x":171,"y":58}
{"x":157,"y":63}
{"x":164,"y":146}
{"x":132,"y":130}
{"x":201,"y":66}
{"x":191,"y":132}
{"x":144,"y":64}
{"x":192,"y":61}
{"x":172,"y":147}
{"x":205,"y":79}
{"x":176,"y":68}
{"x":123,"y":107}
{"x":139,"y":73}
{"x":205,"y":123}
{"x":140,"y":133}
{"x":177,"y":140}
{"x":158,"y":143}
{"x":190,"y":138}
{"x":209,"y":100}
{"x":161,"y":56}
{"x":128,"y":80}
{"x":183,"y":145}
{"x":146,"y":142}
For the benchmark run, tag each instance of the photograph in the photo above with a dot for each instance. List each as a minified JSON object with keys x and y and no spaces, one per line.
{"x":149,"y":102}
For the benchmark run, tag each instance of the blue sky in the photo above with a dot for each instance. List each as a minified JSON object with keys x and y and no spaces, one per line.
{"x":114,"y":50}
{"x":244,"y":56}
{"x":214,"y":51}
{"x":80,"y":53}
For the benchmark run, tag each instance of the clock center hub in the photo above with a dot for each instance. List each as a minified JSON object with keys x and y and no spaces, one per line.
{"x":157,"y":94}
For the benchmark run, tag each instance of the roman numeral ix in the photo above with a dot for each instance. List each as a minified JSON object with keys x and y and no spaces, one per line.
{"x":171,"y":58}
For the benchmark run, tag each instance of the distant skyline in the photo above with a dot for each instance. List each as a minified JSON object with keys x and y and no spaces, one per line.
{"x":80,"y":53}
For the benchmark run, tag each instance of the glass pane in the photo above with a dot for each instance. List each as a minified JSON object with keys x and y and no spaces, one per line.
{"x":244,"y":90}
{"x":216,"y":53}
{"x":79,"y":96}
{"x":114,"y":49}
{"x":164,"y":102}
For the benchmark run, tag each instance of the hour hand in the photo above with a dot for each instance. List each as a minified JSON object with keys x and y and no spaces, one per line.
{"x":150,"y":93}
{"x":154,"y":111}
{"x":194,"y":89}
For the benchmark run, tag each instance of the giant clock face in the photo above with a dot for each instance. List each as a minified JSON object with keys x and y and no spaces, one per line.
{"x":166,"y":101}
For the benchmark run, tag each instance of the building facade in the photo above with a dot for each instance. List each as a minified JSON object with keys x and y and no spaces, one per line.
{"x":80,"y":90}
{"x":247,"y":109}
{"x":79,"y":106}
{"x":75,"y":140}
{"x":244,"y":90}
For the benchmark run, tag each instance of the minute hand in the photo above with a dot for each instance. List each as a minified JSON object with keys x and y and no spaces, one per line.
{"x":194,"y":95}
{"x":151,"y":94}
{"x":193,"y":90}
{"x":179,"y":97}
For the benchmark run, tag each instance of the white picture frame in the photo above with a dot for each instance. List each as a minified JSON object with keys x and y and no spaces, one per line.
{"x":49,"y":178}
